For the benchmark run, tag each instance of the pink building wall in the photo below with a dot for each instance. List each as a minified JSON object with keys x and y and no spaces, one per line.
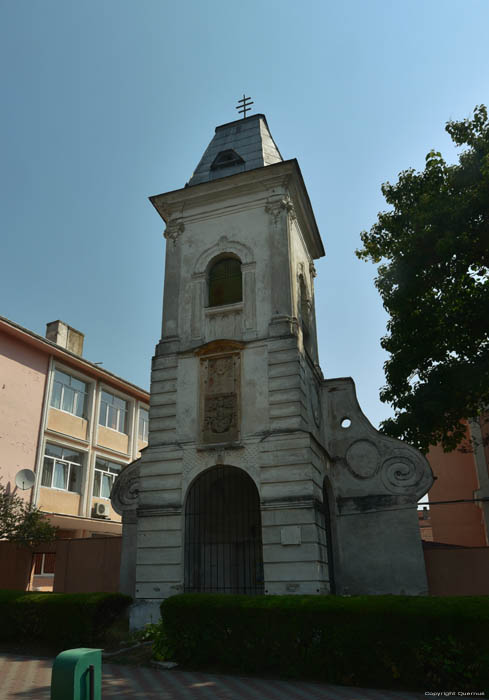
{"x":23,"y":372}
{"x":458,"y":523}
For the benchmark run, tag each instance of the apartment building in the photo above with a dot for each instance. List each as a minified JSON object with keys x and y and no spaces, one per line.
{"x":73,"y":423}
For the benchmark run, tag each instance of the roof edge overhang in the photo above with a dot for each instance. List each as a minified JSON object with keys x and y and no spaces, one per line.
{"x":241,"y":120}
{"x":178,"y":204}
{"x":71,"y":359}
{"x":78,"y":522}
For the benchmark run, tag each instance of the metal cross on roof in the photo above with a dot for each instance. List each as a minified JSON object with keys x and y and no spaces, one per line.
{"x":245,"y":107}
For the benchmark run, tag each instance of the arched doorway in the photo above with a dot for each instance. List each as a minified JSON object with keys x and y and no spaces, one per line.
{"x":223,"y":545}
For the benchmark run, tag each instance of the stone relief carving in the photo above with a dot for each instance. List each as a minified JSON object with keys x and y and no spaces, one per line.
{"x":220,"y":414}
{"x":174,"y":229}
{"x":220,"y":393}
{"x":363,"y":459}
{"x":275,"y":207}
{"x":403,"y":472}
{"x":224,"y":323}
{"x":385,"y":465}
{"x":125,"y":491}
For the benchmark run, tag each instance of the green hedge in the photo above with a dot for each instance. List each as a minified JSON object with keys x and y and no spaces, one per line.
{"x":418,"y":643}
{"x":59,"y":619}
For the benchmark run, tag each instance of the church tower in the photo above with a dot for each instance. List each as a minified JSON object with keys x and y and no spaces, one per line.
{"x":261,"y":477}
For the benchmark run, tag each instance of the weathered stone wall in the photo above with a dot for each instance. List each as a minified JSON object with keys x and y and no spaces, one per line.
{"x":272,"y":414}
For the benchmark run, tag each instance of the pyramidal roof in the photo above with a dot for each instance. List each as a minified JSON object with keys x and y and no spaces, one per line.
{"x":244,"y":144}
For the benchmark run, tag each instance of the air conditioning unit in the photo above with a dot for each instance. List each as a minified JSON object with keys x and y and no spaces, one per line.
{"x":101,"y":510}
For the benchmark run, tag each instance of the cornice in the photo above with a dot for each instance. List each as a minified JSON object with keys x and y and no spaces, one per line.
{"x":70,"y":359}
{"x":191,"y":204}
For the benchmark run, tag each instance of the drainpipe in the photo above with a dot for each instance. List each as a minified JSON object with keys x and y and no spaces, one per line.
{"x":42,"y":428}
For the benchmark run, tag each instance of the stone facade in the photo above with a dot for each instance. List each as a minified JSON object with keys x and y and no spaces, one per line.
{"x":240,"y":385}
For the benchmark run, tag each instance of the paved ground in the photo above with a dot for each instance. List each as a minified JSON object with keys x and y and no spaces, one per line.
{"x":30,"y":677}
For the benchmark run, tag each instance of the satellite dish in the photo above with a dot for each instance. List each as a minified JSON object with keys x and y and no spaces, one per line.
{"x":25,"y":479}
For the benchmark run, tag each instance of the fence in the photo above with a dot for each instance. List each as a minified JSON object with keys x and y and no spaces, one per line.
{"x":80,"y":566}
{"x":453,"y":570}
{"x":88,"y":565}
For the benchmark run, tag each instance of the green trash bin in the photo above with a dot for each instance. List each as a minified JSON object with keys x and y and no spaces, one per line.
{"x":77,"y":675}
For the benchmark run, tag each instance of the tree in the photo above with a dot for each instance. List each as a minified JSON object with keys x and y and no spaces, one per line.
{"x":433,"y":246}
{"x":22,"y":523}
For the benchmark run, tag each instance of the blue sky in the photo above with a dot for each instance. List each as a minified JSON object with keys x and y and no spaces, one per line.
{"x":106,"y":102}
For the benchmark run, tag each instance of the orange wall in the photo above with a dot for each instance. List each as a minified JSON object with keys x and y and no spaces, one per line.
{"x":459,"y":523}
{"x":23,"y":371}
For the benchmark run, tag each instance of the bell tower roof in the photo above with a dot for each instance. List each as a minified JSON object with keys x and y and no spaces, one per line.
{"x":244,"y":144}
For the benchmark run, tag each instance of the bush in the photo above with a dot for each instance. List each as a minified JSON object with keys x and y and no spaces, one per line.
{"x":59,"y":619}
{"x":377,"y":641}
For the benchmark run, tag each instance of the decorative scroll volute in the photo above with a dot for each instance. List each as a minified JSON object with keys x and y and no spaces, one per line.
{"x":382,"y":464}
{"x":125,"y":491}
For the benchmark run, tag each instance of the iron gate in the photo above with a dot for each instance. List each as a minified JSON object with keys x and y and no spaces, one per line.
{"x":223,"y":544}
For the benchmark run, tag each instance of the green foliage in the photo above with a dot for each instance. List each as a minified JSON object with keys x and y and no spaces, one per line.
{"x":433,"y":246}
{"x":59,"y":619}
{"x":376,"y":641}
{"x":21,"y":522}
{"x":149,"y":632}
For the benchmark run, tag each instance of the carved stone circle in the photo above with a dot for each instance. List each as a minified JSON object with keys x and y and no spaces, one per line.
{"x":363,"y":459}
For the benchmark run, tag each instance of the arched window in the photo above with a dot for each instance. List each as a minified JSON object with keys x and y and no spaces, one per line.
{"x":225,"y":282}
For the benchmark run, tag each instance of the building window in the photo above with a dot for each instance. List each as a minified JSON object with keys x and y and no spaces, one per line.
{"x":113,"y":412}
{"x":69,"y":394}
{"x":44,"y":563}
{"x":62,"y":469}
{"x":225,"y":282}
{"x":105,"y":474}
{"x":143,"y":424}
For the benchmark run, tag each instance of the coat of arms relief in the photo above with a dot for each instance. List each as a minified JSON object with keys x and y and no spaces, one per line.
{"x":220,"y":394}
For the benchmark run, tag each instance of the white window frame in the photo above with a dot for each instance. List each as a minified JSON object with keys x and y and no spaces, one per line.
{"x":106,"y":472}
{"x":77,"y":392}
{"x":70,"y":464}
{"x":44,"y":573}
{"x":104,"y":390}
{"x":141,"y":436}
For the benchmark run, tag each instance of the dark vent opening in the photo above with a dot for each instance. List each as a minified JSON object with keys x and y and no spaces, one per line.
{"x":225,"y":159}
